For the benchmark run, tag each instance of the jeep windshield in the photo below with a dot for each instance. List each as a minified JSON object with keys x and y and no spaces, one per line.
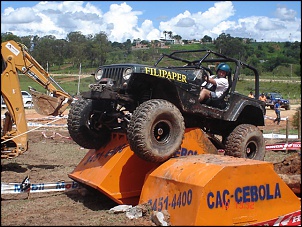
{"x":276,"y":96}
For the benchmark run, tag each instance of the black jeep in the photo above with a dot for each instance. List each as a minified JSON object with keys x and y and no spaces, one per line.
{"x":154,"y":104}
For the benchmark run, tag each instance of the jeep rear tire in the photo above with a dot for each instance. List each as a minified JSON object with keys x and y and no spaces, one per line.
{"x":156,"y":130}
{"x":246,"y":141}
{"x":80,"y":126}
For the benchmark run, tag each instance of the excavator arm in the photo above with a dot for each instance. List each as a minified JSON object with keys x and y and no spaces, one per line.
{"x":15,"y":58}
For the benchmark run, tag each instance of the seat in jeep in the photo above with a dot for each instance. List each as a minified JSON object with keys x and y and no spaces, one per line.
{"x":221,"y":102}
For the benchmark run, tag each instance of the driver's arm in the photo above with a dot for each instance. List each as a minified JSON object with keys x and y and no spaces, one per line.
{"x":211,"y":79}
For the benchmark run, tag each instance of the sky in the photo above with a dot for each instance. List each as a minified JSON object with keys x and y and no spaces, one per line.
{"x":272,"y":21}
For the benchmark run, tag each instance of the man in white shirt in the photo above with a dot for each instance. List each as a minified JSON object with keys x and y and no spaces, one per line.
{"x":220,"y":82}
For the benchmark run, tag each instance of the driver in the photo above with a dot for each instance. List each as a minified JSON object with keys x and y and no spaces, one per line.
{"x":220,"y":82}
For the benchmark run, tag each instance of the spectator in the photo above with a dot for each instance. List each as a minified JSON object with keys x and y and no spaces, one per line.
{"x":262,"y":97}
{"x":277,"y":107}
{"x":251,"y":95}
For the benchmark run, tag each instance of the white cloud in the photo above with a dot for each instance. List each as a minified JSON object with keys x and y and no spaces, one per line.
{"x":220,"y":12}
{"x":211,"y":22}
{"x":121,"y":22}
{"x":151,"y":32}
{"x":19,"y":16}
{"x":284,"y":14}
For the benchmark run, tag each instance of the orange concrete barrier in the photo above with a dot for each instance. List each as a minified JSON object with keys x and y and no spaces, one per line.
{"x":197,"y":187}
{"x":118,"y":173}
{"x":220,"y":190}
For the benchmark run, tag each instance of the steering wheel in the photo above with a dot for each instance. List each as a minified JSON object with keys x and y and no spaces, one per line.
{"x":205,"y":77}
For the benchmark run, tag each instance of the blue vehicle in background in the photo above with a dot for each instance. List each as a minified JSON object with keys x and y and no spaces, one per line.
{"x":273,"y":97}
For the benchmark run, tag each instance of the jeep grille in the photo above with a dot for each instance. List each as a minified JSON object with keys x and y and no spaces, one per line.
{"x":115,"y":73}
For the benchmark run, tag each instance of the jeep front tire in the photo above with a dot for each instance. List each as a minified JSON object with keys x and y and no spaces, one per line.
{"x":156,"y":130}
{"x":80,"y":126}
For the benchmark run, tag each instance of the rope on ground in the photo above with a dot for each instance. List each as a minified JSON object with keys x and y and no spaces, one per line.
{"x":30,"y":130}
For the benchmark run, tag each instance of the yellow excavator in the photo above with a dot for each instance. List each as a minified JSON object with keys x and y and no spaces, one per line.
{"x":15,"y":59}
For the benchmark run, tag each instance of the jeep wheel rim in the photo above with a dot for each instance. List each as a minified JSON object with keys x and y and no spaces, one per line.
{"x":162,"y":131}
{"x":251,"y":150}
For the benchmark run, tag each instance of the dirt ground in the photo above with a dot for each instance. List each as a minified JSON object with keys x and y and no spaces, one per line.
{"x":52,"y":155}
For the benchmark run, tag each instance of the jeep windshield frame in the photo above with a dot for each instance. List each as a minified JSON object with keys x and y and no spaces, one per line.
{"x":276,"y":95}
{"x":196,"y":58}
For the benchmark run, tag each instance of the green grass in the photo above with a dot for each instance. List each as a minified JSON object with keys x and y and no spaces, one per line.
{"x":71,"y":87}
{"x":291,"y":91}
{"x":282,"y":131}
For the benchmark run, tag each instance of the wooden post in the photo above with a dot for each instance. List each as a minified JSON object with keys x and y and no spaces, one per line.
{"x":286,"y":134}
{"x":299,"y":124}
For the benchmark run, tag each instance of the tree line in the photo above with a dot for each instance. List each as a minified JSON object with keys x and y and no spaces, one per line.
{"x":93,"y":50}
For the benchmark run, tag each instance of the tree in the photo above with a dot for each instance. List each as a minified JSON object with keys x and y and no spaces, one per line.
{"x":44,"y":50}
{"x":27,"y":41}
{"x":170,"y":34}
{"x":177,"y":38}
{"x":100,"y":48}
{"x":165,"y":33}
{"x":128,"y":46}
{"x":206,"y":39}
{"x":115,"y":45}
{"x":60,"y":49}
{"x":9,"y":36}
{"x":230,"y":46}
{"x":76,"y":37}
{"x":76,"y":47}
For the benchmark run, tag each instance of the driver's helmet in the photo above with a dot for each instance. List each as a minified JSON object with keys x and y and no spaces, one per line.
{"x":224,"y":67}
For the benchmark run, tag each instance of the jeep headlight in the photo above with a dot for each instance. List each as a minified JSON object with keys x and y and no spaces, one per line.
{"x":99,"y":74}
{"x":127,"y":73}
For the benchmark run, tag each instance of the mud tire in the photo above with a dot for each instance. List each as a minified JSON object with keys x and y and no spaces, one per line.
{"x":78,"y":126}
{"x":156,"y":130}
{"x":246,"y":141}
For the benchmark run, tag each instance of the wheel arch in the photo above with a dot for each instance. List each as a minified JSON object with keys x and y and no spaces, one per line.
{"x":161,"y":88}
{"x":251,"y":115}
{"x":247,"y":114}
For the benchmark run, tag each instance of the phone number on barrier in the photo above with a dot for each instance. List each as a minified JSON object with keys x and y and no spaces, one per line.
{"x":162,"y":203}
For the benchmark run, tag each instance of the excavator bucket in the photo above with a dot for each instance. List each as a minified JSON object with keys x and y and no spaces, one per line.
{"x":118,"y":173}
{"x":209,"y":190}
{"x":46,"y":104}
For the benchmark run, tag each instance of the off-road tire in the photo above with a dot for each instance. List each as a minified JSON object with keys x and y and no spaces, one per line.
{"x":78,"y":126}
{"x":246,"y":141}
{"x":156,"y":130}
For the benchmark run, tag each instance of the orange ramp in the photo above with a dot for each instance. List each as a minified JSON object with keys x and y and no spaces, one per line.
{"x":119,"y":174}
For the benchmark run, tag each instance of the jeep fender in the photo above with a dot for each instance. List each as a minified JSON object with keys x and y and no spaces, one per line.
{"x":246,"y":112}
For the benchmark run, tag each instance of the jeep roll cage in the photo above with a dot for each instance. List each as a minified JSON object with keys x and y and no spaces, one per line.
{"x":211,"y":57}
